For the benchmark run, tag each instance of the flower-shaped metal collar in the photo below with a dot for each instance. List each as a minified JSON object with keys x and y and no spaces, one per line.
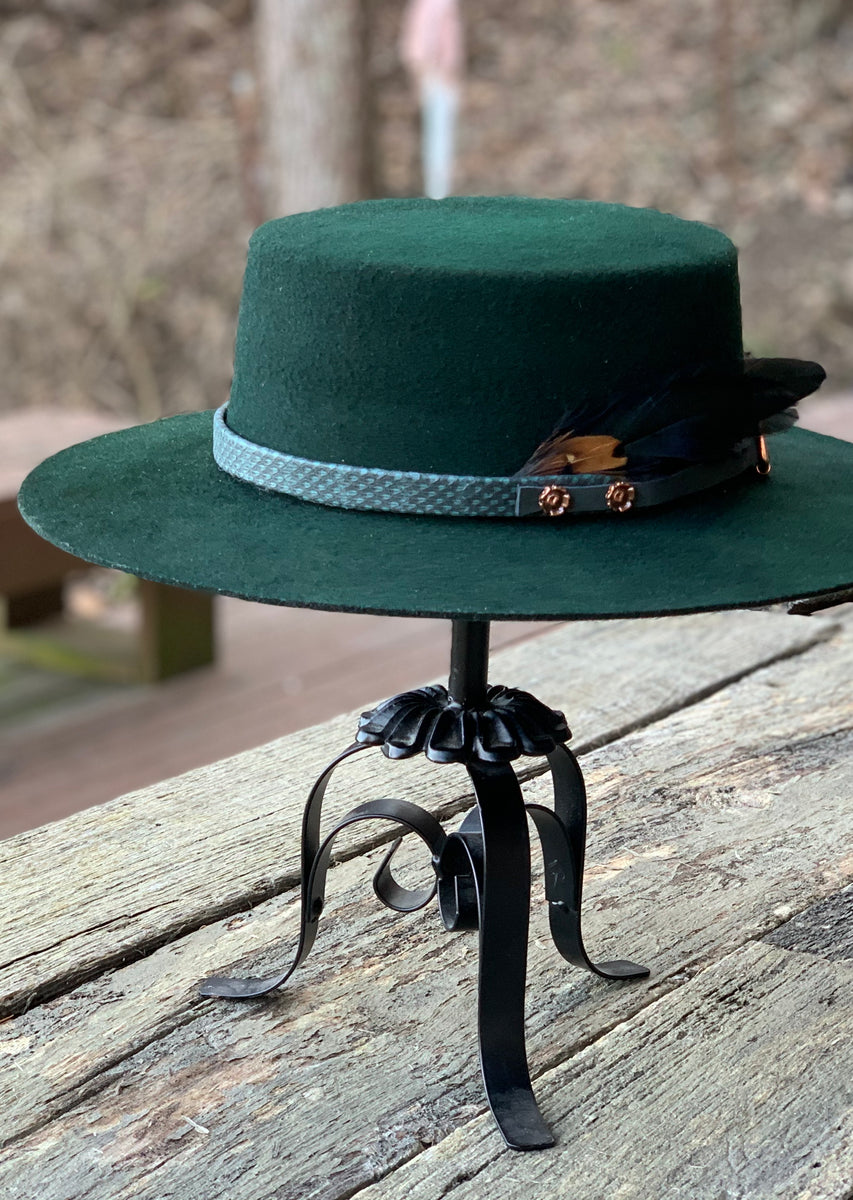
{"x":510,"y":724}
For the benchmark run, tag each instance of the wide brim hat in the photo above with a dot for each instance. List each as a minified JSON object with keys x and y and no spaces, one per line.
{"x":397,"y":365}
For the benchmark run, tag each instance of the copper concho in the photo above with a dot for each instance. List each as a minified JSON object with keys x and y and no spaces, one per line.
{"x":620,"y":496}
{"x":555,"y":500}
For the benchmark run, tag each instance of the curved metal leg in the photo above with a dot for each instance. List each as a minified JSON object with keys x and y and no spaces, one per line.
{"x":488,"y":861}
{"x":483,"y":882}
{"x":563,"y":837}
{"x":315,"y":865}
{"x":483,"y":869}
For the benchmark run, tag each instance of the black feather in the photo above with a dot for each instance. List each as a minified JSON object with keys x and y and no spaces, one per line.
{"x":696,"y":416}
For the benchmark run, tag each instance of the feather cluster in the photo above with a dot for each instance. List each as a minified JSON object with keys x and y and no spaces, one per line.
{"x":693,"y":417}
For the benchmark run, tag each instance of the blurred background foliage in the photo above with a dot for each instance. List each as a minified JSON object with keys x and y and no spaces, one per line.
{"x":131,"y":171}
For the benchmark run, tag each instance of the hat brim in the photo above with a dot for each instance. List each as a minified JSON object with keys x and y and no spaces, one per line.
{"x":151,"y":501}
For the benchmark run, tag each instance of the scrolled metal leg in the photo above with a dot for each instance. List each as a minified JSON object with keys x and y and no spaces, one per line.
{"x":563,"y":837}
{"x":489,"y":857}
{"x":460,"y":876}
{"x":483,"y":869}
{"x":315,"y":865}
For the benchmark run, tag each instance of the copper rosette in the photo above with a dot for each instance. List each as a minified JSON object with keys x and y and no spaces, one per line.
{"x":511,"y":723}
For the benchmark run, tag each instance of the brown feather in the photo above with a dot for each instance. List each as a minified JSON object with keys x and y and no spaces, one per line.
{"x":565,"y":454}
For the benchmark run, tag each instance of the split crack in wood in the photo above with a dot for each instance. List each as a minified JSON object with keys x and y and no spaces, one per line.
{"x":686,"y":973}
{"x":102,"y":1077}
{"x":820,"y":630}
{"x":111,"y":924}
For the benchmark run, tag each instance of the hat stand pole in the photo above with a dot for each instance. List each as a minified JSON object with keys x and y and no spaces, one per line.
{"x":482,"y":870}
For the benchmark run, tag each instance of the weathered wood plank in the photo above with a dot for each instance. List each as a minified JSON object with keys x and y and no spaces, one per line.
{"x":709,"y":828}
{"x":111,"y":882}
{"x":739,"y":1084}
{"x":825,"y":929}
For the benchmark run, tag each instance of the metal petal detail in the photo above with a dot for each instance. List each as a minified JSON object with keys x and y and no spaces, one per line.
{"x":510,"y":724}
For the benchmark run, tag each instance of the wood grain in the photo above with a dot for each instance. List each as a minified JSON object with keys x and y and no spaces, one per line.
{"x":710,"y":828}
{"x":705,"y":1094}
{"x":119,"y":880}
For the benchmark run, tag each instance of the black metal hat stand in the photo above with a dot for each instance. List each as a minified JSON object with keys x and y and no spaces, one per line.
{"x":482,"y":869}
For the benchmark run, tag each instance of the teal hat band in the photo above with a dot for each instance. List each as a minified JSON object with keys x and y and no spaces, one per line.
{"x":339,"y":485}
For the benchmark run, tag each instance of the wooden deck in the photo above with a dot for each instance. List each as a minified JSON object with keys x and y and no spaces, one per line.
{"x":721,"y":854}
{"x":66,"y":744}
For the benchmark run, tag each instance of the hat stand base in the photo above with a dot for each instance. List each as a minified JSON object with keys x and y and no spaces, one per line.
{"x":482,"y":870}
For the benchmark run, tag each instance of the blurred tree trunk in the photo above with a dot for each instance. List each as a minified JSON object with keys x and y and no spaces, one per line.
{"x":312,"y":68}
{"x":727,"y":138}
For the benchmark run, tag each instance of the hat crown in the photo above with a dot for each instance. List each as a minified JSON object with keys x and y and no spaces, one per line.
{"x":450,"y":336}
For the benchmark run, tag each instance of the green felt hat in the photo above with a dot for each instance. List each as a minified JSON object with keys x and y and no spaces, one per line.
{"x":442,"y":408}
